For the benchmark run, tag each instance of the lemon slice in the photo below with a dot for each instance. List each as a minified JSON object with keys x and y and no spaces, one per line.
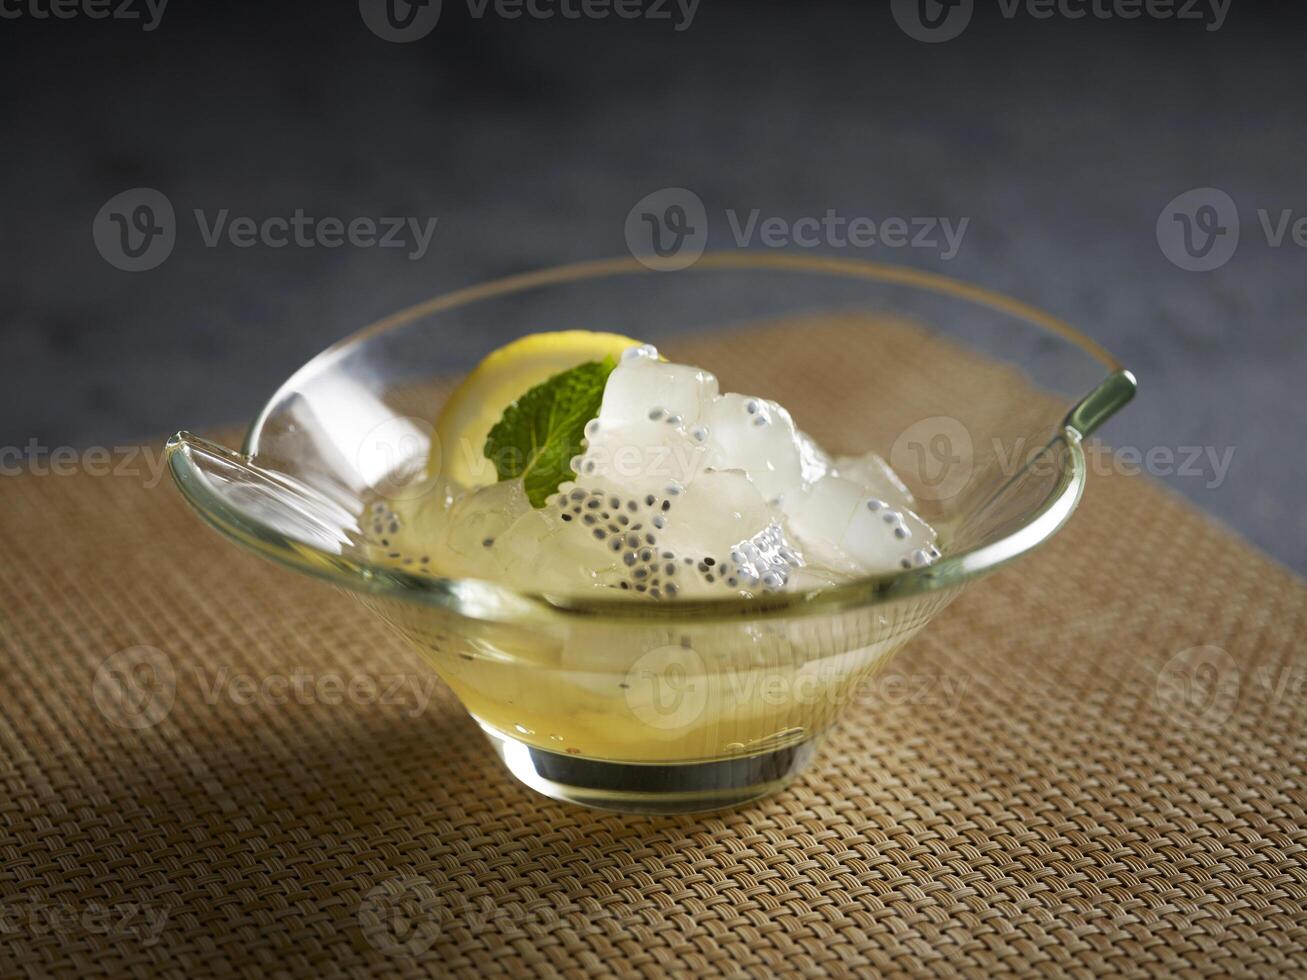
{"x":505,"y":375}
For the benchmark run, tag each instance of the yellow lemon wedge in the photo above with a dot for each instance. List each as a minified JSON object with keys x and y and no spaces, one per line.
{"x":497,"y":382}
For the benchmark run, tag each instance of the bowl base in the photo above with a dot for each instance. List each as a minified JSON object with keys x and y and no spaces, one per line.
{"x":650,"y":787}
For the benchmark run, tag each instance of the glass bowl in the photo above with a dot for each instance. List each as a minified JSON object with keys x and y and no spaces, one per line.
{"x":978,"y":401}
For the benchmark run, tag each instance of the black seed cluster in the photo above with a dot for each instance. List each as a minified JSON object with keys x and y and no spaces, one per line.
{"x":383,"y":526}
{"x":658,"y":572}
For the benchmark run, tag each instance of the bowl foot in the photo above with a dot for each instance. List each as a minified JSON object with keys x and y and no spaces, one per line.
{"x":650,"y":787}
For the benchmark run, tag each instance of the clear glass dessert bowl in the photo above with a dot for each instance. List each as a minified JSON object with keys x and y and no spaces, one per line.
{"x":979,"y":402}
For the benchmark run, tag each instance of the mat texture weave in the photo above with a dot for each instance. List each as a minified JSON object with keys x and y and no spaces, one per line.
{"x":1092,"y":763}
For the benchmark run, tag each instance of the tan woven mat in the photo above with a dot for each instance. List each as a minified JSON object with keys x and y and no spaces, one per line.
{"x":302,"y":797}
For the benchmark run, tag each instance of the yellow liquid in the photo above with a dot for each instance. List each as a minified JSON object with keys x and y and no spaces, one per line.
{"x":641,"y":693}
{"x":636,"y":690}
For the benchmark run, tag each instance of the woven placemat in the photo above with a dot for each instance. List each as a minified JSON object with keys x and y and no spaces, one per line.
{"x":1091,"y":763}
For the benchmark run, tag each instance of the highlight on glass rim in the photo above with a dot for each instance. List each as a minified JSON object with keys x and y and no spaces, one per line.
{"x":652,"y":488}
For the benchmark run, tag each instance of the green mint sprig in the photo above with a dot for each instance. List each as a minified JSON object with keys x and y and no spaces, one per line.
{"x":538,"y":434}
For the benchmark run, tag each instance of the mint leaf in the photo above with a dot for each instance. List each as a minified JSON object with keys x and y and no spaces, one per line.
{"x":538,"y":434}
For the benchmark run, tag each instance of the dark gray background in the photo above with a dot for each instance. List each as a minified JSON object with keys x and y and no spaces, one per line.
{"x":1061,"y":140}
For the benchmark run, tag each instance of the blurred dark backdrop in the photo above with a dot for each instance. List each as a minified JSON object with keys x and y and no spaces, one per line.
{"x":1062,"y":140}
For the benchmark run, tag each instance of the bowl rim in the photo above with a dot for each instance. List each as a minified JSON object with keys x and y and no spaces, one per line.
{"x":481,"y":596}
